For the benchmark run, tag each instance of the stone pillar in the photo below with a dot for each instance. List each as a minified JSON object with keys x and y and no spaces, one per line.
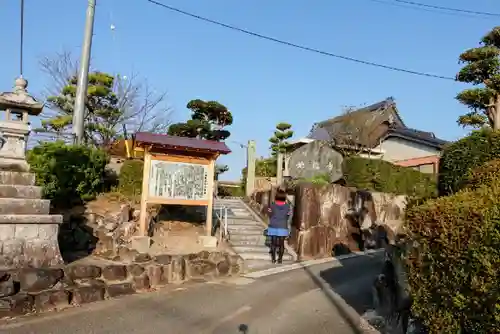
{"x":250,"y":181}
{"x":286,"y":169}
{"x":279,"y":169}
{"x":28,"y":233}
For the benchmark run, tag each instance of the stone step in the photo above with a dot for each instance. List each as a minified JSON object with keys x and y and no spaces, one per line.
{"x":257,"y":265}
{"x":245,"y":229}
{"x":262,"y":256}
{"x":252,"y":249}
{"x":17,"y":191}
{"x":17,"y":178}
{"x":256,"y":241}
{"x":19,"y":206}
{"x":31,"y":219}
{"x":243,"y":237}
{"x":244,"y":223}
{"x":234,"y":217}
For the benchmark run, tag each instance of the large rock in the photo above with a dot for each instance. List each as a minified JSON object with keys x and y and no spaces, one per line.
{"x":114,"y":272}
{"x":34,"y":280}
{"x":79,"y":271}
{"x":19,"y":304}
{"x":51,"y":300}
{"x":120,"y":289}
{"x":88,"y":294}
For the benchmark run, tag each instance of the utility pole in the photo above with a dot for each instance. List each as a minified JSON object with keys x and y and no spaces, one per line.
{"x":83,"y":74}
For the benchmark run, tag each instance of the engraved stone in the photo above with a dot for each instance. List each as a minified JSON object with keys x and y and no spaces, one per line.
{"x":314,"y":159}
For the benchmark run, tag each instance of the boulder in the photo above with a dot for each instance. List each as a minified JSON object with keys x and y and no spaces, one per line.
{"x":82,"y":271}
{"x":88,"y":294}
{"x":51,"y":300}
{"x":120,"y":289}
{"x":34,"y":280}
{"x":114,"y":273}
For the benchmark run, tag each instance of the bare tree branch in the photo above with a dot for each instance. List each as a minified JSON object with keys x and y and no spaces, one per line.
{"x":143,"y":108}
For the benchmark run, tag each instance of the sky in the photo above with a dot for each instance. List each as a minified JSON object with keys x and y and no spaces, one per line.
{"x":261,"y":82}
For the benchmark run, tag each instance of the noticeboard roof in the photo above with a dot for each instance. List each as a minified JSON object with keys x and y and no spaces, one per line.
{"x":174,"y":142}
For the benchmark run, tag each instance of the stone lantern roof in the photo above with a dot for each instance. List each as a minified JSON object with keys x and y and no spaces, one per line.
{"x":20,"y":99}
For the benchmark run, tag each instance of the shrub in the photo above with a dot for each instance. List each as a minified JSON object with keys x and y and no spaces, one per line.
{"x":486,"y":174}
{"x":225,"y":191}
{"x":68,"y":173}
{"x":382,"y":176}
{"x":460,"y":157}
{"x":453,"y":267}
{"x":130,"y":178}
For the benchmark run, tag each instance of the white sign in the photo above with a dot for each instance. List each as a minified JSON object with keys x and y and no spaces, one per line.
{"x":178,"y":180}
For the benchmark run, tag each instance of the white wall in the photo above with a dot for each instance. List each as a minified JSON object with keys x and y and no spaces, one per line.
{"x":400,"y":149}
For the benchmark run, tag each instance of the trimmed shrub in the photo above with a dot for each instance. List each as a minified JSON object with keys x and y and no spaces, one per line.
{"x":69,"y":174}
{"x":453,"y":267}
{"x":487,"y":174}
{"x":130,"y":178}
{"x":382,"y":176}
{"x":460,"y":157}
{"x":225,"y":191}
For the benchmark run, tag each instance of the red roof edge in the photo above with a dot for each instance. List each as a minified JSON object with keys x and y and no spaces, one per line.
{"x":185,"y":142}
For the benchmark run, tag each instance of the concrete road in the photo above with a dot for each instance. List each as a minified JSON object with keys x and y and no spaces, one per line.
{"x":286,"y":303}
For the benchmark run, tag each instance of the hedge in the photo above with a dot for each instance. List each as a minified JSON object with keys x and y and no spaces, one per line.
{"x":460,"y":157}
{"x":453,"y":269}
{"x":69,"y":174}
{"x":130,"y":178}
{"x":383,"y":176}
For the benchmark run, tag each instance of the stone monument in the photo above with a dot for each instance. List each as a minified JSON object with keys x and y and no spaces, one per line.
{"x":28,"y":233}
{"x":315,"y":158}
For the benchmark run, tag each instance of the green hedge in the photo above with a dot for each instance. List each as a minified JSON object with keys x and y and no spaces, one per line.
{"x":453,"y":267}
{"x":460,"y":157}
{"x":382,"y":176}
{"x":130,"y":178}
{"x":69,"y":174}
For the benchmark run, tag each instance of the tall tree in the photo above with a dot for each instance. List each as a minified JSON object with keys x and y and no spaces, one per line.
{"x":208,"y":121}
{"x":279,"y":140}
{"x":102,"y":113}
{"x":131,"y":104}
{"x":482,"y":69}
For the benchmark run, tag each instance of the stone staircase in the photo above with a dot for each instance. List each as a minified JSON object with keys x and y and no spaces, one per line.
{"x":28,"y":233}
{"x":246,"y":235}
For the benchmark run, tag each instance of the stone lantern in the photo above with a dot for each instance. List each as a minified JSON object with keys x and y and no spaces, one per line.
{"x":15,"y":127}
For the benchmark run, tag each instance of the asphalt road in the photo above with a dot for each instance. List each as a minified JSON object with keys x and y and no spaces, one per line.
{"x":290,"y":302}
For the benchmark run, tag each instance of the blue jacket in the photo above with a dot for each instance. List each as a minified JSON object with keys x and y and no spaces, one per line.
{"x":278,"y":217}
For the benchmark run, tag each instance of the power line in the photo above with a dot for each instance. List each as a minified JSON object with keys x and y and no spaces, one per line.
{"x":431,"y":10}
{"x":450,"y":9}
{"x":297,"y":46}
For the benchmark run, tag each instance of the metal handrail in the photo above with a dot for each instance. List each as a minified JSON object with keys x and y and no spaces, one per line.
{"x":221,"y":213}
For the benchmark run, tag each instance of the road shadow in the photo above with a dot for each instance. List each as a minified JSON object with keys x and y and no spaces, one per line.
{"x":348,"y":285}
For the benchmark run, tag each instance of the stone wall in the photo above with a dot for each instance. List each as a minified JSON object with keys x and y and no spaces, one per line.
{"x":331,"y":220}
{"x":30,"y":290}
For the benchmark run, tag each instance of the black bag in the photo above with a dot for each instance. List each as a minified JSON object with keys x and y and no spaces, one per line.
{"x":268,"y":239}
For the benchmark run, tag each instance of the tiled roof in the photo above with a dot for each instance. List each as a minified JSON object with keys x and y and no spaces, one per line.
{"x":368,"y":125}
{"x":182,"y":142}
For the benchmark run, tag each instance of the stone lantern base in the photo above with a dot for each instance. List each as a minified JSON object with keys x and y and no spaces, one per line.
{"x":28,"y":233}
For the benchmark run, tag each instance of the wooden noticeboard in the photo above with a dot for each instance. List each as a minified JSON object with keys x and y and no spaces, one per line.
{"x":177,"y":179}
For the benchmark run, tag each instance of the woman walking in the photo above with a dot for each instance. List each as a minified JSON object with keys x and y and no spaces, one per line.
{"x":279,"y":212}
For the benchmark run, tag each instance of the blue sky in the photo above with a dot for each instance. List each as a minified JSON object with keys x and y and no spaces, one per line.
{"x":261,"y":82}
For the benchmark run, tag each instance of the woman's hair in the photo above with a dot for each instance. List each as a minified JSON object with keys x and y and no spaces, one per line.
{"x":280,"y":196}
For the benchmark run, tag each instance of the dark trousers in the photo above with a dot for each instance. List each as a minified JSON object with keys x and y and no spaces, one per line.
{"x":277,"y":247}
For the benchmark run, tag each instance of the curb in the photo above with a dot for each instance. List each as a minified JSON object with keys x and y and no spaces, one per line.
{"x":304,"y":264}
